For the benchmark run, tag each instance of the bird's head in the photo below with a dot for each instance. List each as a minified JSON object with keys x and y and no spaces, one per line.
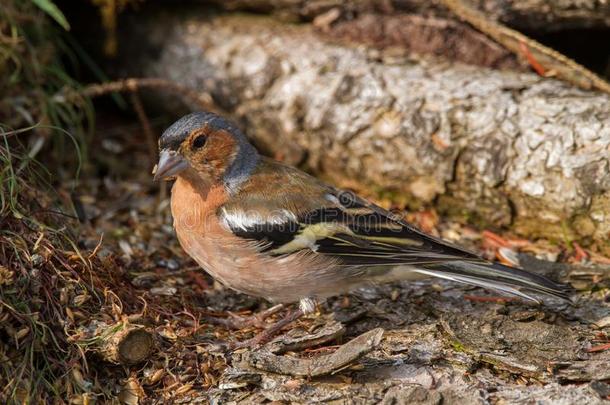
{"x":207,"y":145}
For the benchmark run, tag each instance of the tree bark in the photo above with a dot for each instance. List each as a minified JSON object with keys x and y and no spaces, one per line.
{"x":504,"y":148}
{"x":539,"y":15}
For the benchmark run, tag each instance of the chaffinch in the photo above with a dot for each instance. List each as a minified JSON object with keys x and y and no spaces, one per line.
{"x":270,"y":230}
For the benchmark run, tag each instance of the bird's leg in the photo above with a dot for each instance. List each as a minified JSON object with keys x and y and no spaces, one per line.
{"x":239,"y":322}
{"x":306,"y":306}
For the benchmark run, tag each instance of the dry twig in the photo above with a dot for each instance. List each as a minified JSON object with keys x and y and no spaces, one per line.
{"x":202,"y":100}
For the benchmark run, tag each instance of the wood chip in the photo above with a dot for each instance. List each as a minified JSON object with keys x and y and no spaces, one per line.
{"x":349,"y":352}
{"x":287,"y":343}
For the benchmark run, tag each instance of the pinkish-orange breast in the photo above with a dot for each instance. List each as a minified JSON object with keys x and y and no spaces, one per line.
{"x":226,"y":257}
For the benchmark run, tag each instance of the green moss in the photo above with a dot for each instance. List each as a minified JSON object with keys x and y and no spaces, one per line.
{"x":484,"y":217}
{"x":459,"y":347}
{"x":397,"y":197}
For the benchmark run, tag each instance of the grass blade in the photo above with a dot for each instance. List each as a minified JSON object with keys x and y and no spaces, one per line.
{"x":53,"y":11}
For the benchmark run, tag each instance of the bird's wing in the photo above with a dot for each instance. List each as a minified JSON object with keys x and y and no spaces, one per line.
{"x":286,"y":211}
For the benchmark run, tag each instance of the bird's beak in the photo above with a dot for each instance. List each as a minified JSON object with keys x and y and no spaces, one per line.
{"x":171,"y":163}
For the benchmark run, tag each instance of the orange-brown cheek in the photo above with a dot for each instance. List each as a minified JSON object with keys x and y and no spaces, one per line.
{"x":216,"y":156}
{"x":221,"y":151}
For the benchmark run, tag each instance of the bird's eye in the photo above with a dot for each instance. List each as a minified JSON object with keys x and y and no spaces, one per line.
{"x":199,"y":141}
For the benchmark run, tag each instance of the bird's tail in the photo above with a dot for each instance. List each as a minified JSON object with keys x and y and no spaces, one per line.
{"x":502,"y":278}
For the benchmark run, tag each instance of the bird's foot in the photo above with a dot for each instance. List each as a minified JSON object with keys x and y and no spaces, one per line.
{"x":266,"y":335}
{"x":237,"y":322}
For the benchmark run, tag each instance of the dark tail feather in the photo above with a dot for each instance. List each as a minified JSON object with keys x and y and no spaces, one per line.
{"x":506,"y":279}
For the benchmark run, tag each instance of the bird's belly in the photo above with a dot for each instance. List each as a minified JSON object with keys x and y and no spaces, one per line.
{"x":278,"y":279}
{"x":223,"y":262}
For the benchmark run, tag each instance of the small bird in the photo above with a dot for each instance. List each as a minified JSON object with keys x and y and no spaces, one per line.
{"x":270,"y":230}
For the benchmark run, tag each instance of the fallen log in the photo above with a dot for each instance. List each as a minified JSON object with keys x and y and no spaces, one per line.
{"x":493,"y":147}
{"x":118,"y":343}
{"x":539,"y":15}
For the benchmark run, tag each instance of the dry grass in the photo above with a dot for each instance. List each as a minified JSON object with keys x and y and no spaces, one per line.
{"x":57,"y":278}
{"x":54,"y":283}
{"x":46,"y":282}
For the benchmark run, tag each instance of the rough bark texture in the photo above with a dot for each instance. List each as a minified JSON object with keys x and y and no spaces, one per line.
{"x":549,"y":15}
{"x":539,"y":15}
{"x":452,"y":40}
{"x":507,"y":148}
{"x":323,"y":365}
